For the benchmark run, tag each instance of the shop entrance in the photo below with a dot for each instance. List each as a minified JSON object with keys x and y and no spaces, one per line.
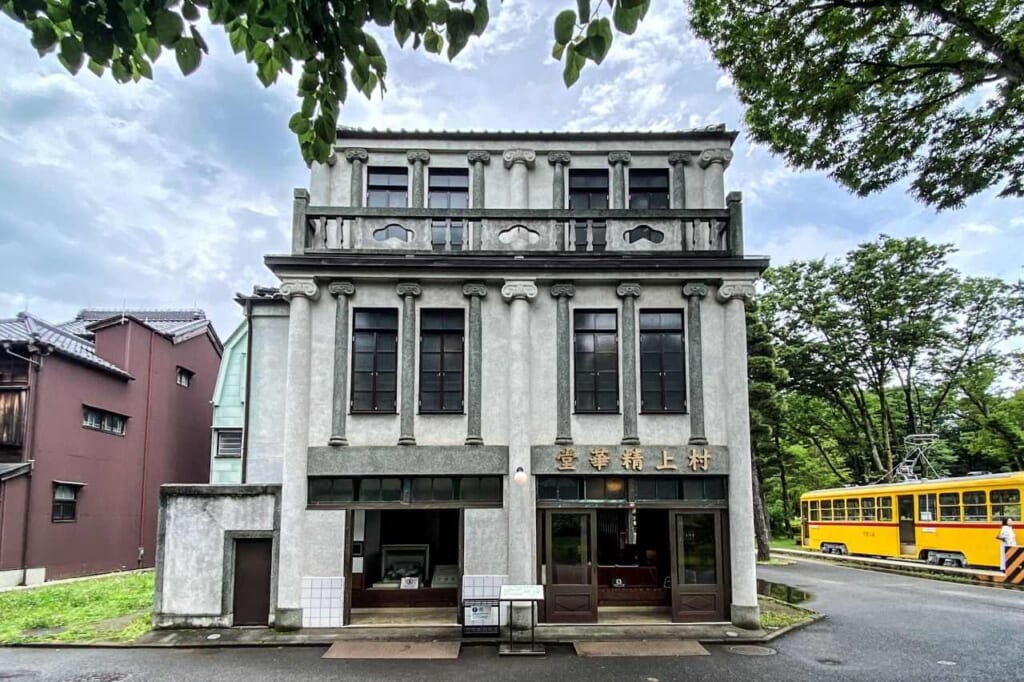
{"x":405,"y":566}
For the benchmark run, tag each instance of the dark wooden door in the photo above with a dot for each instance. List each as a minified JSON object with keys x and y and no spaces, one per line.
{"x":698,"y":566}
{"x":908,"y":536}
{"x":571,"y":586}
{"x":252,"y":581}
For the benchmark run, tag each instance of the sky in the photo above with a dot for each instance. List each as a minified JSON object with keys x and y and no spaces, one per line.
{"x":168,"y":193}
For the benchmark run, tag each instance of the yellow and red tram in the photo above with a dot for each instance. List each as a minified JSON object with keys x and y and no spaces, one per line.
{"x":951,"y":521}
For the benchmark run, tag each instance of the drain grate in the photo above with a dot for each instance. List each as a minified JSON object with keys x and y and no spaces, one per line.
{"x":829,"y":661}
{"x":751,"y":650}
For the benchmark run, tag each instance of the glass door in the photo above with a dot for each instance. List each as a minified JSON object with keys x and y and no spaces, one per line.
{"x":698,"y":566}
{"x":908,"y":539}
{"x":570,"y":580}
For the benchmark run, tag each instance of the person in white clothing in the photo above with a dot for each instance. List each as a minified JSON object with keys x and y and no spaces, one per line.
{"x":1007,"y":538}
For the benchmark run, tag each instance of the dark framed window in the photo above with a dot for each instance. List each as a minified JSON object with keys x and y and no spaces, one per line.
{"x":648,"y":188}
{"x":662,"y":370}
{"x":441,"y":366}
{"x":595,"y":338}
{"x":560,"y":488}
{"x":374,"y":360}
{"x":447,"y":188}
{"x":102,"y":420}
{"x":65,"y":502}
{"x":387,"y":187}
{"x":229,"y":443}
{"x":457,"y":491}
{"x":184,"y":377}
{"x":588,"y":190}
{"x":636,"y":488}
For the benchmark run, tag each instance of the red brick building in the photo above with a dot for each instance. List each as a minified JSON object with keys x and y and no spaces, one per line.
{"x":96,"y":414}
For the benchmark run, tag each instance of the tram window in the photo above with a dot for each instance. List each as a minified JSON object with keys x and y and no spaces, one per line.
{"x":926,"y":507}
{"x":826,"y":510}
{"x":885,"y":509}
{"x":867,"y":508}
{"x":1005,"y":503}
{"x":974,"y":506}
{"x":838,"y":510}
{"x":853,"y":509}
{"x":949,"y":506}
{"x":814,"y":510}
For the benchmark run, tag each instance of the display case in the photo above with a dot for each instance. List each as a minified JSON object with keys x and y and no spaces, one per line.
{"x":403,"y":561}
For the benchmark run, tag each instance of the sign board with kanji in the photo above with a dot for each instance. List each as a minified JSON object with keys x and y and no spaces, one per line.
{"x":619,"y":460}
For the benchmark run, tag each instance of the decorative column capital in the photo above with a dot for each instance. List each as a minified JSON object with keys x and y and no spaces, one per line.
{"x":408,"y":289}
{"x":680,"y":158}
{"x":527,"y":157}
{"x":341,"y":289}
{"x":720,"y":156}
{"x":697,"y":289}
{"x":563,"y":158}
{"x":479,"y":156}
{"x":420,"y":155}
{"x":474,"y":289}
{"x":631,"y":289}
{"x":519,"y":289}
{"x":744,"y":291}
{"x":292,"y":288}
{"x":356,"y":155}
{"x":619,"y":157}
{"x":563,"y":290}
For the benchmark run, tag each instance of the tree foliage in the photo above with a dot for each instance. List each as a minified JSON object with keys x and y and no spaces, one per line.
{"x":874,"y":91}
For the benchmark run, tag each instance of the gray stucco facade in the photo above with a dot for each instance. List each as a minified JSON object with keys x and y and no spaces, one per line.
{"x":528,"y":263}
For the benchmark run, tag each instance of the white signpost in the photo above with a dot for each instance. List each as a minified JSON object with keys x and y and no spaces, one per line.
{"x":522,"y":593}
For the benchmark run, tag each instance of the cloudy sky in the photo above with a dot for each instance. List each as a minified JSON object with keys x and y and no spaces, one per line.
{"x":169,"y":193}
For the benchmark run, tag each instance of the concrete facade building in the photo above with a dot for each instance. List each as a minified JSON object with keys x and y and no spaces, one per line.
{"x":96,"y":414}
{"x":493,"y":358}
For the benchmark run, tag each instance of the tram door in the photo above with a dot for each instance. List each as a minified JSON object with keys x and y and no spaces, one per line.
{"x":804,"y":518}
{"x":908,"y":538}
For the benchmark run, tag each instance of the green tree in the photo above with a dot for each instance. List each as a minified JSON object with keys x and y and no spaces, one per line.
{"x":874,"y":91}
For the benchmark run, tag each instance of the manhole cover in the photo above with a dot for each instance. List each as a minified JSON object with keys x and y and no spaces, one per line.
{"x":829,"y":661}
{"x":751,"y":650}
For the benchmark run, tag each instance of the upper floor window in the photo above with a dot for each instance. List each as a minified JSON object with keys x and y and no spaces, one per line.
{"x":65,"y":502}
{"x":595,"y":339}
{"x":662,"y":378}
{"x":12,"y":416}
{"x":449,"y":188}
{"x":648,"y":188}
{"x":387,"y":187}
{"x":588,"y":189}
{"x":229,"y":443}
{"x":185,"y":377}
{"x":102,"y":420}
{"x":441,"y":342}
{"x":374,"y":360}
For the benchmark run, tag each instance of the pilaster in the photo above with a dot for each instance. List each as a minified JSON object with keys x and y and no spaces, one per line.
{"x":679,"y":161}
{"x":475,"y":291}
{"x":714,"y":162}
{"x":408,"y":291}
{"x":694,"y":293}
{"x":340,"y":291}
{"x":419,"y":158}
{"x":559,"y":162}
{"x":629,"y":292}
{"x":356,"y":157}
{"x":619,"y":161}
{"x":519,"y":162}
{"x":562,"y":292}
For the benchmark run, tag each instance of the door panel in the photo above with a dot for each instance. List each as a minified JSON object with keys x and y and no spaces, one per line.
{"x":908,"y":539}
{"x":571,"y":589}
{"x":804,"y":521}
{"x":698,"y":567}
{"x":252,"y":581}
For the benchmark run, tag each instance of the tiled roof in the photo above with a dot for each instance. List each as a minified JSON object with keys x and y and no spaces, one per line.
{"x":165,"y":321}
{"x":27,"y":328}
{"x":554,"y":135}
{"x":12,"y":469}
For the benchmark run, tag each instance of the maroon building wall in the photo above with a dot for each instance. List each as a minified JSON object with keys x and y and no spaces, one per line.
{"x":166,"y":441}
{"x":12,"y":515}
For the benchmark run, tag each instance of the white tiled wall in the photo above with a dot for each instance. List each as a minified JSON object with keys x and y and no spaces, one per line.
{"x":484,"y":587}
{"x":321,"y":602}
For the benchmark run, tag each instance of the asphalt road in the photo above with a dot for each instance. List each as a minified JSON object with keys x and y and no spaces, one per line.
{"x":878,"y":627}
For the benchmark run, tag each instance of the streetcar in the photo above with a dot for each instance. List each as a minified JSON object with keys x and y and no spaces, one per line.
{"x":946,"y":521}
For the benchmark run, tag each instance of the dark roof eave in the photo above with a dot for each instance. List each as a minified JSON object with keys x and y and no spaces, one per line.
{"x":546,"y":136}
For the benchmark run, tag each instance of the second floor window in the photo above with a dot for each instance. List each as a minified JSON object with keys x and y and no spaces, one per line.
{"x":374,"y":360}
{"x":595,"y":339}
{"x":229,"y":443}
{"x":65,"y":502}
{"x":441,"y":342}
{"x":387,"y":187}
{"x":12,"y":416}
{"x":662,"y":378}
{"x":588,"y":189}
{"x":648,"y":188}
{"x":449,"y":188}
{"x":101,"y":420}
{"x":185,"y":377}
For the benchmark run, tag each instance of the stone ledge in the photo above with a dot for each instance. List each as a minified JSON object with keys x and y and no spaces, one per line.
{"x":410,"y":460}
{"x":217,"y":490}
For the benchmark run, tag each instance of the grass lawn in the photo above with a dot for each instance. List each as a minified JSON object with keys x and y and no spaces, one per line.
{"x":108,"y":609}
{"x":776,"y":614}
{"x":785,"y":543}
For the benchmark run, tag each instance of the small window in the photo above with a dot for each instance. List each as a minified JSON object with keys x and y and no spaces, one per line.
{"x":560,"y":488}
{"x":814,"y":511}
{"x":826,"y":510}
{"x":949,"y":506}
{"x":605,"y":488}
{"x":867,"y":508}
{"x":975,"y":508}
{"x":658,"y":488}
{"x":926,"y":508}
{"x":229,"y":443}
{"x":884,"y":509}
{"x":662,"y":374}
{"x":853,"y":509}
{"x":331,"y":490}
{"x":648,"y":188}
{"x":1005,"y":503}
{"x":838,"y":510}
{"x":588,"y":189}
{"x":448,"y":188}
{"x":596,"y":361}
{"x":387,"y":187}
{"x":185,"y":377}
{"x":441,"y":489}
{"x":65,"y":502}
{"x":379,"y":490}
{"x":101,"y":420}
{"x":480,"y":489}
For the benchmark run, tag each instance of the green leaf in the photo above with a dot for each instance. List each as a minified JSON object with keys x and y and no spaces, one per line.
{"x":144,"y":69}
{"x":573,"y":65}
{"x":432,"y":41}
{"x":298,"y":124}
{"x":137,"y":20}
{"x":95,"y":67}
{"x":630,"y":4}
{"x":308,"y":106}
{"x":44,"y":37}
{"x":199,"y":40}
{"x":437,"y":12}
{"x":237,"y":40}
{"x":583,"y":7}
{"x":71,"y":53}
{"x":380,"y":12}
{"x":188,"y":55}
{"x":599,"y":35}
{"x":626,"y":20}
{"x":168,"y":27}
{"x":557,"y":51}
{"x":371,"y":48}
{"x":120,"y":73}
{"x":481,"y":16}
{"x":402,"y":24}
{"x":99,"y":45}
{"x":564,"y":24}
{"x":152,"y":47}
{"x":189,"y":10}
